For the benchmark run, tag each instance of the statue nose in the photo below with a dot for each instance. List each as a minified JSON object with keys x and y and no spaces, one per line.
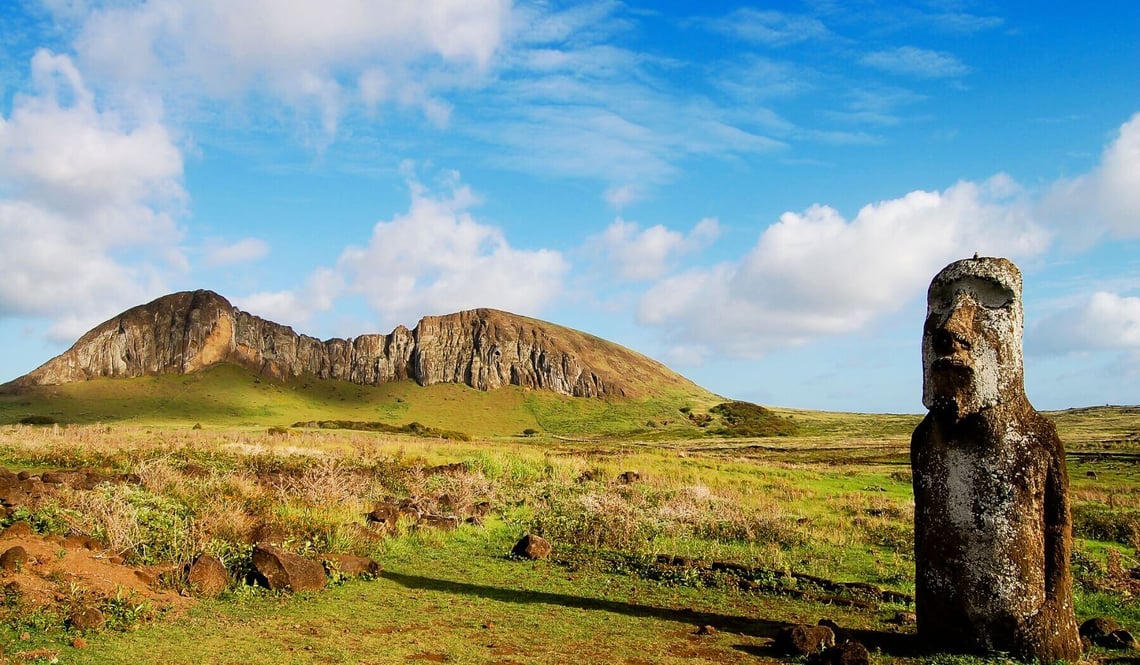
{"x":953,"y":334}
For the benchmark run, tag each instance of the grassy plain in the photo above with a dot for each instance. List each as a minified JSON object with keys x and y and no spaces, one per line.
{"x":832,"y":502}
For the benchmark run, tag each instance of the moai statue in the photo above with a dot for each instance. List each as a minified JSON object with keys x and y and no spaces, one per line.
{"x":991,"y":519}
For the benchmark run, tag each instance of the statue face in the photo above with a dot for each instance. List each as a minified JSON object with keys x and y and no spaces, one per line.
{"x":971,"y":342}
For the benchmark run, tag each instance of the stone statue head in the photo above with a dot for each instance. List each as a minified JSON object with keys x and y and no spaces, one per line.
{"x":971,"y":342}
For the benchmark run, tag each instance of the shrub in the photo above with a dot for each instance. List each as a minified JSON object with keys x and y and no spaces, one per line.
{"x":1113,"y":525}
{"x":38,"y":420}
{"x":751,"y":420}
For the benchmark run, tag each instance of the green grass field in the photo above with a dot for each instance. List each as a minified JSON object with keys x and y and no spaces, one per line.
{"x":833,"y":501}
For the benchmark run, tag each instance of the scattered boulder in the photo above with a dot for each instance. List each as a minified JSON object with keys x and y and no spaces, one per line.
{"x":803,"y":640}
{"x":19,"y":529}
{"x":847,"y":653}
{"x":350,"y":566}
{"x":532,"y":547}
{"x":903,"y":618}
{"x":1098,"y":629}
{"x":441,"y":522}
{"x":279,"y":569}
{"x":384,"y":515}
{"x":1120,"y":639}
{"x":629,"y":477}
{"x":88,"y":618}
{"x":208,"y":576}
{"x":706,"y":630}
{"x":14,"y":558}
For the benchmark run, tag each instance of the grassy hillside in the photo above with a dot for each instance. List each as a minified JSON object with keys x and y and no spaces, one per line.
{"x":229,"y":396}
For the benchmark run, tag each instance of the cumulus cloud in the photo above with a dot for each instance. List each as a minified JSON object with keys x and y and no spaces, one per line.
{"x":88,"y":201}
{"x":310,"y":55}
{"x":1102,"y":322}
{"x":918,"y":62}
{"x":319,"y":294}
{"x":815,"y":273}
{"x":1106,"y":199}
{"x":638,"y":254}
{"x":245,"y":250}
{"x":436,"y":258}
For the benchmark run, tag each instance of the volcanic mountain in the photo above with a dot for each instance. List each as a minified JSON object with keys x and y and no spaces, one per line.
{"x":189,"y":331}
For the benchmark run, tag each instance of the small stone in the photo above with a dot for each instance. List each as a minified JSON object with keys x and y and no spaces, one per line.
{"x":441,"y":522}
{"x":532,"y":547}
{"x":1098,"y":629}
{"x":629,"y":477}
{"x":86,"y":619}
{"x":19,"y":529}
{"x":803,"y":640}
{"x":14,"y":558}
{"x":903,"y":618}
{"x":208,"y":576}
{"x":847,"y":653}
{"x":1120,"y":639}
{"x":279,"y":569}
{"x":350,"y":566}
{"x":706,"y":630}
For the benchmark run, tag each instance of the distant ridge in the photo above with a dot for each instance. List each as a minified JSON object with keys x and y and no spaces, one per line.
{"x":188,"y":331}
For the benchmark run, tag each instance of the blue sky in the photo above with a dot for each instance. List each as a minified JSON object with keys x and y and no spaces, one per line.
{"x":757,"y":194}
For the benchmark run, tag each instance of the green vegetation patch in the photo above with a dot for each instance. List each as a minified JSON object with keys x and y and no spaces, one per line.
{"x":744,"y":419}
{"x":413,"y":428}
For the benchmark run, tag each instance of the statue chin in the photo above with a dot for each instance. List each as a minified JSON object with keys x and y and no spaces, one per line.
{"x":956,"y":392}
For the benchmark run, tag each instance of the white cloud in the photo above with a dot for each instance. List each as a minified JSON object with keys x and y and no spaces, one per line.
{"x":620,"y":197}
{"x":770,"y":28}
{"x":319,"y":294}
{"x":1104,"y":321}
{"x":1108,"y":198}
{"x":919,"y":62}
{"x":816,"y":273}
{"x":310,"y":54}
{"x":436,"y":258}
{"x":245,"y":250}
{"x":641,"y":254}
{"x":88,"y":202}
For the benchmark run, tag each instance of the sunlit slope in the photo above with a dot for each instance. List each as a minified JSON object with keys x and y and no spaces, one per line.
{"x":227,"y":395}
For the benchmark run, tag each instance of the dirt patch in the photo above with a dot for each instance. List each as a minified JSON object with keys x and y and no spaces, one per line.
{"x":55,"y":575}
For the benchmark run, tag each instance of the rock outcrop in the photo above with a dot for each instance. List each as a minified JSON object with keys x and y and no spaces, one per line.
{"x":483,"y":348}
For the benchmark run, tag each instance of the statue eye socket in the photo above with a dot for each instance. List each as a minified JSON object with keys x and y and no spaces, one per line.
{"x":987,"y":293}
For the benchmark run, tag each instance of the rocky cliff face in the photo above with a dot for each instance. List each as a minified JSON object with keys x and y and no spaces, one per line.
{"x":483,"y":348}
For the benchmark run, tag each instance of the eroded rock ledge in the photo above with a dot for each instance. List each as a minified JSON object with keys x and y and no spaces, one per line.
{"x":483,"y":348}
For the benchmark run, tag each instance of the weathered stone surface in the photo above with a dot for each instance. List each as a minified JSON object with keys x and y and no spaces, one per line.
{"x":19,"y":529}
{"x":208,"y":576}
{"x":86,"y":619}
{"x":531,"y":546}
{"x":483,"y":348}
{"x":803,"y":640}
{"x":279,"y":569}
{"x":846,"y":653}
{"x":14,"y":558}
{"x":350,"y":566}
{"x":1098,"y":628}
{"x":992,"y":522}
{"x":441,"y":522}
